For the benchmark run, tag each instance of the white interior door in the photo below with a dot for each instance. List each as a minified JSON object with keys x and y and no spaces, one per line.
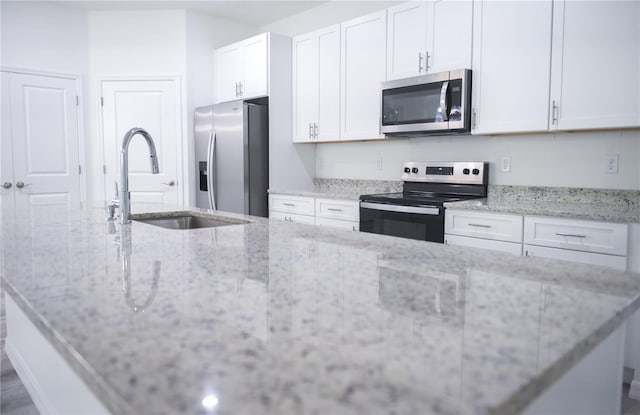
{"x":43,"y":141}
{"x":154,"y":106}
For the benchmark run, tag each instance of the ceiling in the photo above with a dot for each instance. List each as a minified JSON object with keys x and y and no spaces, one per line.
{"x":254,"y":12}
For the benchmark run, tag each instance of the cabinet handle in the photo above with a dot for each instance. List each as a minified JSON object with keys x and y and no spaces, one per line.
{"x":240,"y":83}
{"x":354,"y":228}
{"x":474,"y":117}
{"x":526,"y":253}
{"x":6,"y":185}
{"x":310,"y":131}
{"x":315,"y":131}
{"x":427,"y":67}
{"x":169,"y":183}
{"x":334,"y":210}
{"x":420,"y":62}
{"x":477,"y":225}
{"x":571,"y":234}
{"x":554,"y":112}
{"x":288,"y":204}
{"x":236,"y":89}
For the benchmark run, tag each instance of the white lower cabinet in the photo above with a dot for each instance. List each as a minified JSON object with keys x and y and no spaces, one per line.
{"x":336,"y":213}
{"x":587,"y":242}
{"x":584,"y":241}
{"x":292,"y":217}
{"x":496,"y":231}
{"x":611,"y":261}
{"x":508,"y":247}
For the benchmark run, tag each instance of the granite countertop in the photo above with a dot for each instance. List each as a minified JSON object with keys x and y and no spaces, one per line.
{"x":347,"y":189}
{"x":355,"y":196}
{"x":274,"y":317}
{"x":575,"y":203}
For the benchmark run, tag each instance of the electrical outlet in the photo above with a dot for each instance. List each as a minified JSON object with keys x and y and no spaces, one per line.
{"x":505,"y":164}
{"x":611,"y":163}
{"x":379,"y":163}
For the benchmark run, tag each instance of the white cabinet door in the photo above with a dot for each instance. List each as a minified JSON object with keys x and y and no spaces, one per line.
{"x":228,"y":72}
{"x":363,"y":67}
{"x":254,"y":67}
{"x":407,"y":40}
{"x":511,"y":66}
{"x":43,"y":144}
{"x":328,"y":128}
{"x":596,"y":65}
{"x":305,"y":87}
{"x":611,"y":261}
{"x":154,"y":106}
{"x":449,"y":34}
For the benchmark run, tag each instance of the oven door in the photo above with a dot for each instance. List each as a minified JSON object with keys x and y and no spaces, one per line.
{"x":425,"y":223}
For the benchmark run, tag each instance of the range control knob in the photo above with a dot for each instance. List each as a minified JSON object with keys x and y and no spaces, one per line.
{"x":414,"y":170}
{"x":476,"y":172}
{"x":407,"y":170}
{"x":465,"y":171}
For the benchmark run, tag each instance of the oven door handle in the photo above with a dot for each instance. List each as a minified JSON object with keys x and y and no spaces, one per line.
{"x":401,"y":209}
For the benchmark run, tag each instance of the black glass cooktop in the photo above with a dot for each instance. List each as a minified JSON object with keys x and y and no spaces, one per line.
{"x":414,"y":198}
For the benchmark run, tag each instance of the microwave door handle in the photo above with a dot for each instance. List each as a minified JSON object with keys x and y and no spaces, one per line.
{"x":443,"y":101}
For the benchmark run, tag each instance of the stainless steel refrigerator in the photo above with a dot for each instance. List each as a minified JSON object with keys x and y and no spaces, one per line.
{"x":232,"y":157}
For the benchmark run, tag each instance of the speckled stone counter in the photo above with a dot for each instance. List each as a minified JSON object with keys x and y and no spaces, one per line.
{"x":595,"y":204}
{"x":278,"y":318}
{"x":347,"y":189}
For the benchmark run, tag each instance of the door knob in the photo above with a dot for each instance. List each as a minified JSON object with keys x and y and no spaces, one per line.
{"x":170,"y":183}
{"x":6,"y":185}
{"x":20,"y":185}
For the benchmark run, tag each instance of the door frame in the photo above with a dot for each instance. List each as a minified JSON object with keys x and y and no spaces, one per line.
{"x":82,"y":162}
{"x":183,"y":156}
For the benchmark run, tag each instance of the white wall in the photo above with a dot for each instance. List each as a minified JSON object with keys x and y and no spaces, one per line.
{"x":567,"y":159}
{"x":44,"y":36}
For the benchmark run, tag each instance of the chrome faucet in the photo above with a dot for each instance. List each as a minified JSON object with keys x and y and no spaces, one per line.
{"x":125,"y":196}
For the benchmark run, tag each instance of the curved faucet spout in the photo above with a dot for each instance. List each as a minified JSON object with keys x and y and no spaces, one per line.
{"x":125,"y":196}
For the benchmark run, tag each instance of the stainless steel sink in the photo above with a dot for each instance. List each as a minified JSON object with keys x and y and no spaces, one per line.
{"x":186,"y":220}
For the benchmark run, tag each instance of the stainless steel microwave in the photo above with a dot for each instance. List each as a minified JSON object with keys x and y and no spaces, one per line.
{"x":438,"y":103}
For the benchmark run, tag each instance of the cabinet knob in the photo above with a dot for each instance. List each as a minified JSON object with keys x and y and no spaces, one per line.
{"x":20,"y":185}
{"x":6,"y":185}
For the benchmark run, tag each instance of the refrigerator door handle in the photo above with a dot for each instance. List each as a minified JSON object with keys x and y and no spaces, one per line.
{"x":211,"y":152}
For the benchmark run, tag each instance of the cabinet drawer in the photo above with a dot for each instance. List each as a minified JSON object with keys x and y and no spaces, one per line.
{"x":496,"y":226}
{"x":611,"y":261}
{"x":292,"y":217}
{"x":292,"y":204}
{"x":336,"y":223}
{"x":501,"y":246}
{"x":588,"y":236}
{"x":338,"y":209}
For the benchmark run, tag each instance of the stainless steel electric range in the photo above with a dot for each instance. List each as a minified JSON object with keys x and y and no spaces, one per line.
{"x":418,"y":212}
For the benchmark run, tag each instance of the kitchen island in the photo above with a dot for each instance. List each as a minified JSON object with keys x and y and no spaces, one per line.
{"x":273,"y":317}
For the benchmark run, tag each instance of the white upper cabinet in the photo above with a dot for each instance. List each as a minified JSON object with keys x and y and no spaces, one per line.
{"x":363,"y":68}
{"x":407,"y":40}
{"x":328,"y":126}
{"x":241,"y":69}
{"x":511,"y":66}
{"x":305,"y":87}
{"x":449,"y":35}
{"x":426,"y":37}
{"x":595,"y":80}
{"x":316,"y":86}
